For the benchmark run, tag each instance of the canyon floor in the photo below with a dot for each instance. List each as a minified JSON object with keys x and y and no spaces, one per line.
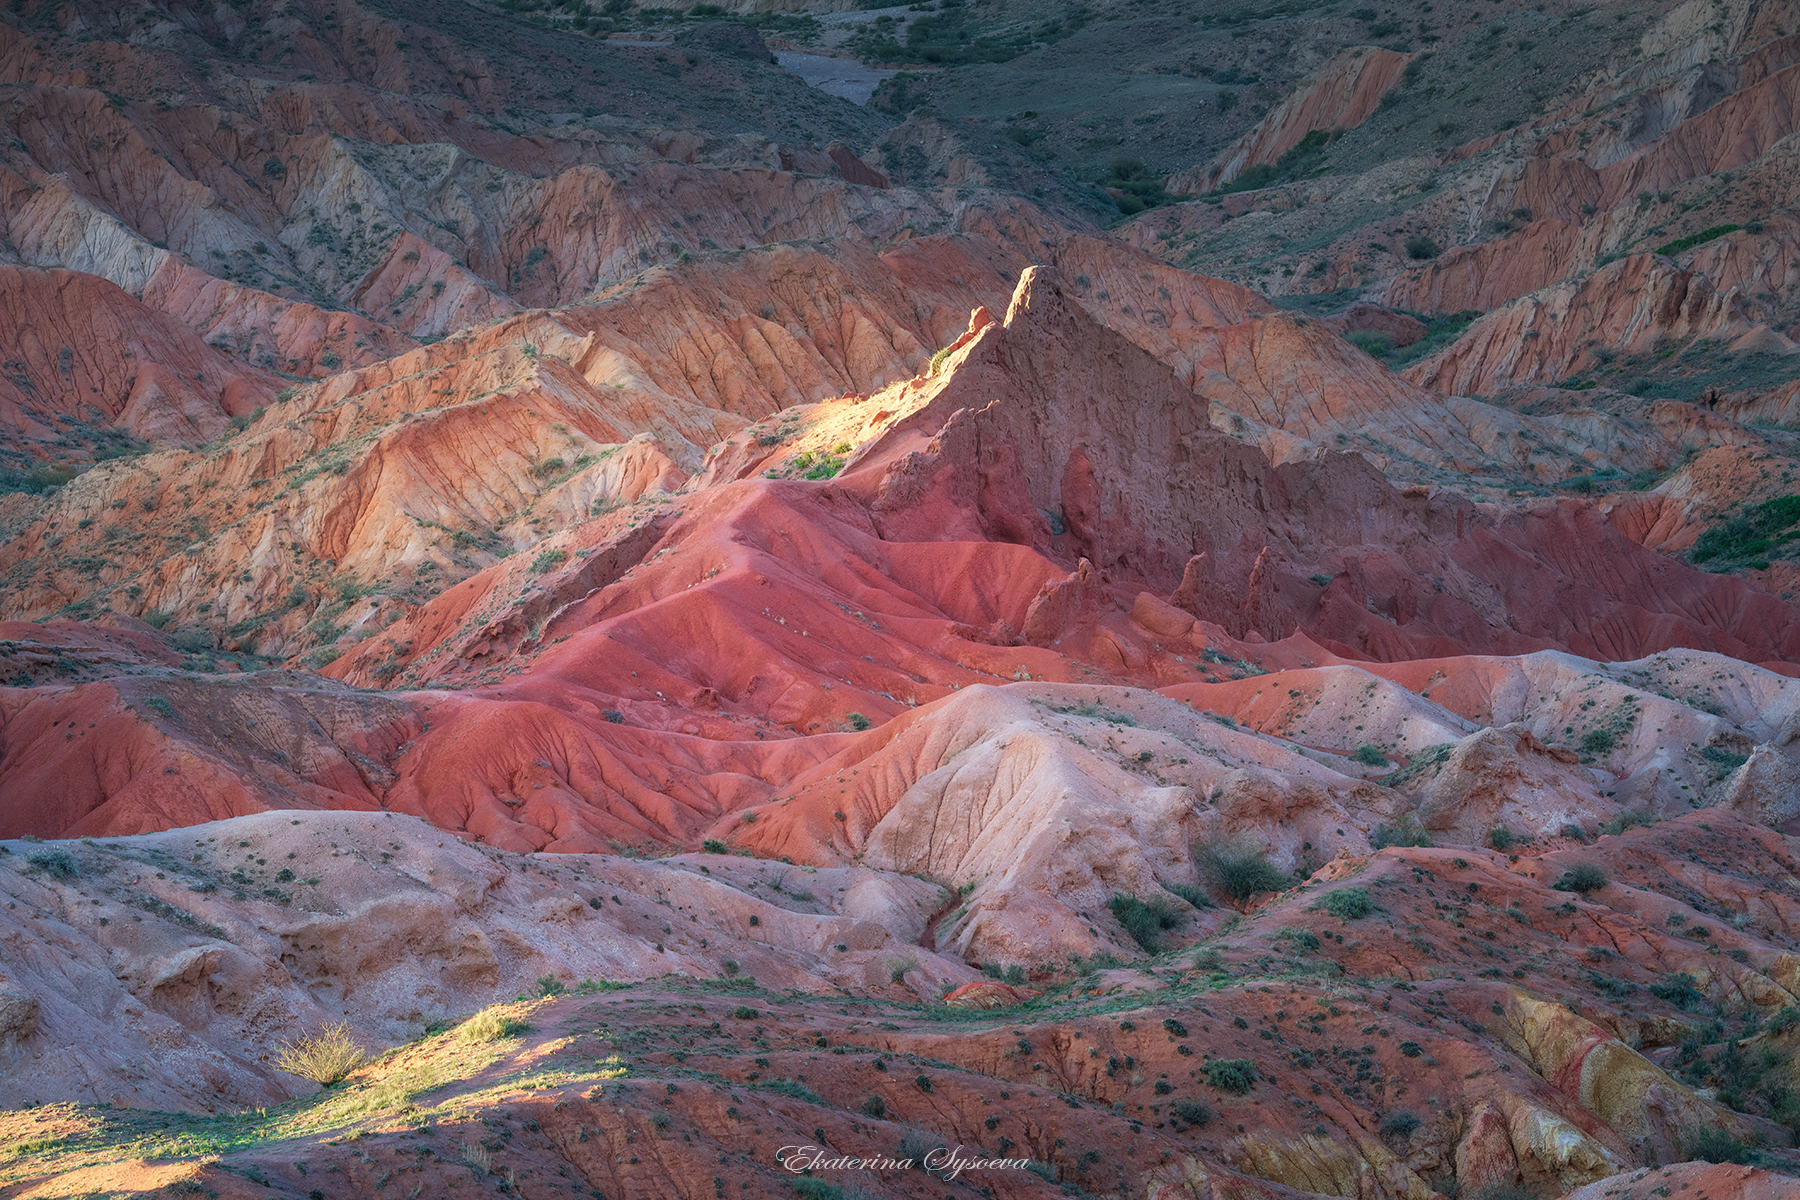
{"x":1198,"y":599}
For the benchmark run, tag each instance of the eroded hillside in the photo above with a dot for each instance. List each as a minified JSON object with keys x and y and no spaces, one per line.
{"x":684,"y":615}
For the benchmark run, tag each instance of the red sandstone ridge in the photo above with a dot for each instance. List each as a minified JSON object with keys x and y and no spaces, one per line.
{"x":1341,"y":94}
{"x":81,"y":348}
{"x":682,"y":644}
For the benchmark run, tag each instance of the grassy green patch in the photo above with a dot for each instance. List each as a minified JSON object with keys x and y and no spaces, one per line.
{"x":1696,"y":239}
{"x":1751,"y":538}
{"x":1305,"y":158}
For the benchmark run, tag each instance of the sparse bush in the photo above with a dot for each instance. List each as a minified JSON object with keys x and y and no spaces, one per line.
{"x":549,"y":985}
{"x":1189,"y":893}
{"x":160,"y":706}
{"x":1405,"y":832}
{"x":548,"y":559}
{"x":1146,"y":920}
{"x":1347,"y":904}
{"x":1399,"y":1124}
{"x":477,"y":1158}
{"x":1717,"y":1146}
{"x":613,"y":716}
{"x":325,"y":1057}
{"x":899,"y":965}
{"x":1679,"y":990}
{"x":57,"y":863}
{"x":492,"y":1024}
{"x":873,"y":1106}
{"x":1234,"y":1075}
{"x":731,"y":968}
{"x":1582,"y":877}
{"x":1191,"y":1112}
{"x":915,"y":1144}
{"x":744,"y":1012}
{"x":808,"y":1188}
{"x":1418,"y":246}
{"x":715,"y":846}
{"x":1599,"y":741}
{"x":1500,"y":838}
{"x":793,"y":1088}
{"x":1620,"y":823}
{"x":1237,"y":868}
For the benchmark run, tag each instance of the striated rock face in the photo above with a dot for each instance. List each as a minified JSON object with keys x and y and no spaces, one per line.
{"x":1341,"y":94}
{"x":822,"y":648}
{"x":1631,"y":305}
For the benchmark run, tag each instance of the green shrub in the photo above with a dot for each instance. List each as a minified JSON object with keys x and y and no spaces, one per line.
{"x":808,"y":1188}
{"x":744,"y":1012}
{"x":57,"y":863}
{"x":1373,"y":344}
{"x":549,"y":985}
{"x":1500,"y":838}
{"x":548,"y":559}
{"x":1723,"y":761}
{"x":857,"y":721}
{"x":1620,"y":823}
{"x":1237,"y":868}
{"x":1599,"y":741}
{"x":790,"y":1087}
{"x":1370,"y":756}
{"x":1399,"y":1124}
{"x":1234,"y":1075}
{"x":160,"y":706}
{"x":1679,"y":990}
{"x":1582,"y":877}
{"x":873,"y":1106}
{"x":1405,"y":832}
{"x":1420,"y":247}
{"x":1145,"y":920}
{"x":1688,"y":243}
{"x":1347,"y":904}
{"x":1717,"y":1146}
{"x":715,"y":846}
{"x":1191,"y":1112}
{"x":1189,"y":893}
